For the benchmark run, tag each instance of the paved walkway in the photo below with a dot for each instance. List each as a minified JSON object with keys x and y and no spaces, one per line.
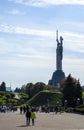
{"x":44,"y":121}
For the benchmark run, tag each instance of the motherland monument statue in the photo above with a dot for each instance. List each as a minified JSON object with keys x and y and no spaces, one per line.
{"x":58,"y":75}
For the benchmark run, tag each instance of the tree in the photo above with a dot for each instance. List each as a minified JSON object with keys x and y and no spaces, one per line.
{"x":32,"y":89}
{"x":71,"y":91}
{"x":29,"y":89}
{"x":17,"y":90}
{"x":78,"y":94}
{"x":3,"y":86}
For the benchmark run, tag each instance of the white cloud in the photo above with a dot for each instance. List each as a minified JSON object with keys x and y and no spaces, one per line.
{"x":75,"y":67}
{"x":45,"y":33}
{"x":26,"y":31}
{"x":16,"y":12}
{"x":47,"y":2}
{"x":73,"y":41}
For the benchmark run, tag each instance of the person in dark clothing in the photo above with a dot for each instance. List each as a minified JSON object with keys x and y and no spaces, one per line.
{"x":56,"y":110}
{"x":28,"y":115}
{"x":21,"y":110}
{"x":24,"y":109}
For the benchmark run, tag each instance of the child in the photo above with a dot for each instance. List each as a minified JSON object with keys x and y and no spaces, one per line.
{"x":33,"y":116}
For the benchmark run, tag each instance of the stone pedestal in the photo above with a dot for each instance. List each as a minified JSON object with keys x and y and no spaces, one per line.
{"x":57,"y":77}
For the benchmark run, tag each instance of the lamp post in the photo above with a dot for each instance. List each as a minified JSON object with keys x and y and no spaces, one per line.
{"x":48,"y":103}
{"x":78,"y":101}
{"x":57,"y":103}
{"x":65,"y":103}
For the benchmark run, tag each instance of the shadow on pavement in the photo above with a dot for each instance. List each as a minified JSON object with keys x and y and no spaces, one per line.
{"x":22,"y":126}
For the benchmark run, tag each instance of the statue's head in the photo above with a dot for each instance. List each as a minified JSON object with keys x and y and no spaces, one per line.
{"x":61,"y":39}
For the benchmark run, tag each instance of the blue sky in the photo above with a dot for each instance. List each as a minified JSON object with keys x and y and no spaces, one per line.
{"x":28,"y":39}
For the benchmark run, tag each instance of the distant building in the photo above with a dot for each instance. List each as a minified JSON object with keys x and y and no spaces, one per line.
{"x":58,"y":75}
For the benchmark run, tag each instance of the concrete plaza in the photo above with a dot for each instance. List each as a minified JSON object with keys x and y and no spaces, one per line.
{"x":44,"y":121}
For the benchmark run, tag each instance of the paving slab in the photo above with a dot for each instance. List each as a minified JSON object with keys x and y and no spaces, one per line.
{"x":44,"y":121}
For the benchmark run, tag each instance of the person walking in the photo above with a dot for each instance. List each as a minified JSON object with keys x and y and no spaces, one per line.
{"x":33,"y":116}
{"x":20,"y":109}
{"x":56,"y":109}
{"x":28,"y":115}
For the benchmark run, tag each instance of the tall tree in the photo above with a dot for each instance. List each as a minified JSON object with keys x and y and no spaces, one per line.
{"x":3,"y":86}
{"x":32,"y":89}
{"x":71,"y":91}
{"x":29,"y":89}
{"x":78,"y":94}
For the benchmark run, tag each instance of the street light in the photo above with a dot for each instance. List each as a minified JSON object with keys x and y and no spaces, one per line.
{"x":48,"y":102}
{"x":78,"y":101}
{"x":57,"y":103}
{"x":65,"y":103}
